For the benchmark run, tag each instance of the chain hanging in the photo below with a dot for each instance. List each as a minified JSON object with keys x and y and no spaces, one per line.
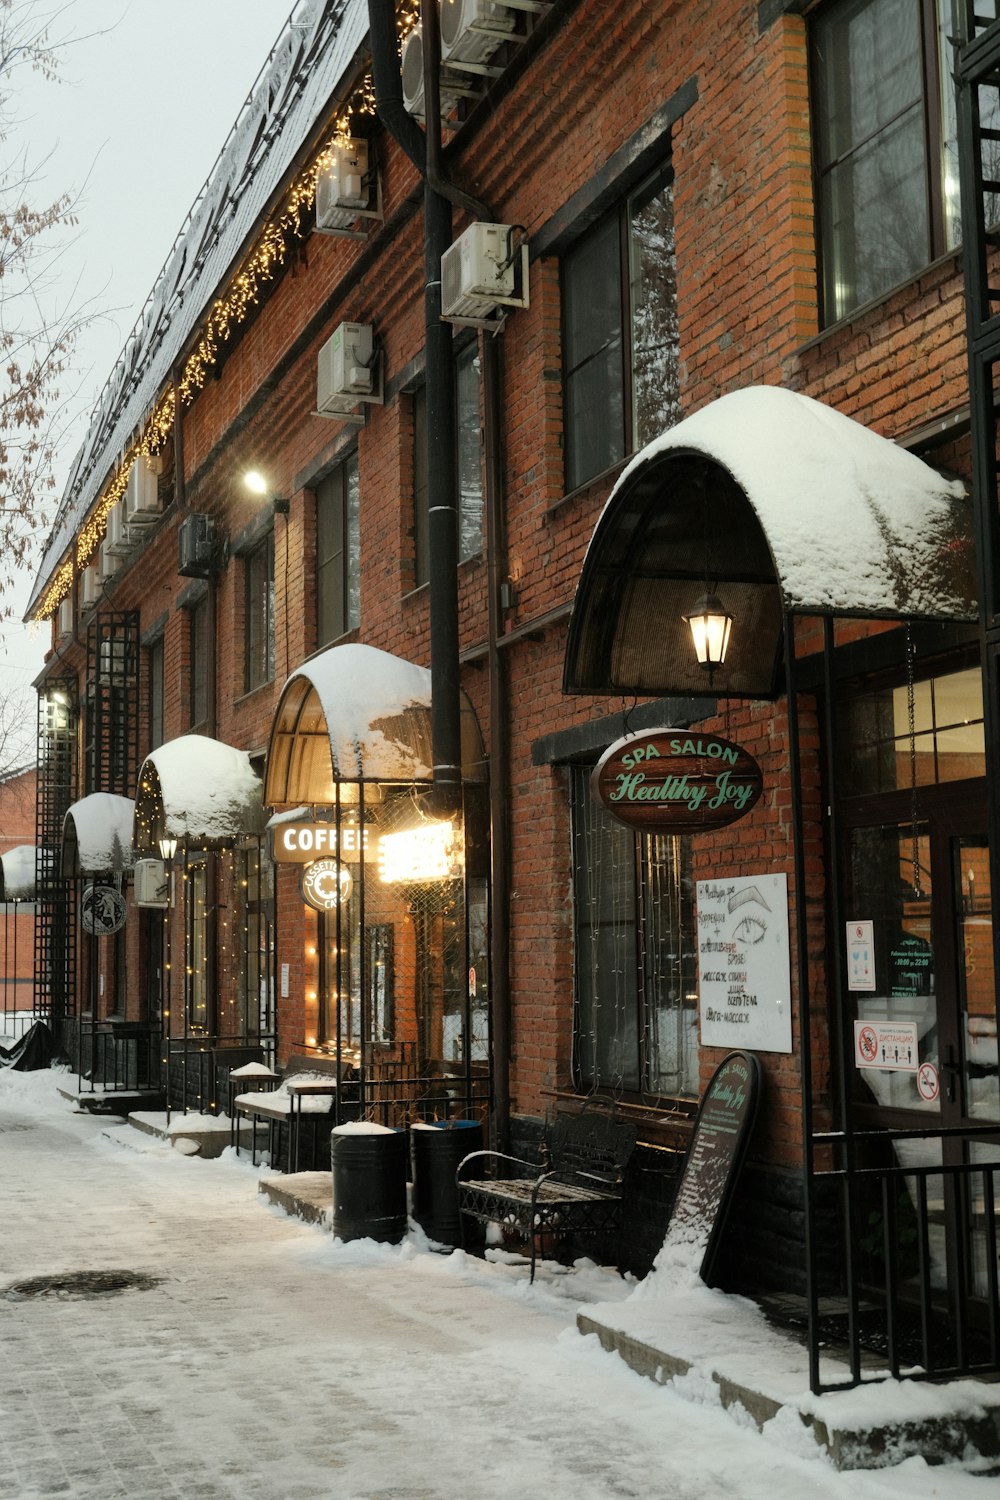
{"x":911,"y":717}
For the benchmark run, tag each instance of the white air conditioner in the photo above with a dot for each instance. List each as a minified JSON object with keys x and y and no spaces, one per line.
{"x":478,"y":273}
{"x":107,"y":563}
{"x":343,"y":188}
{"x":347,"y":371}
{"x":90,"y":587}
{"x":117,"y":536}
{"x":450,"y":85}
{"x":142,"y":500}
{"x":64,"y":621}
{"x":472,"y":30}
{"x":151,"y":884}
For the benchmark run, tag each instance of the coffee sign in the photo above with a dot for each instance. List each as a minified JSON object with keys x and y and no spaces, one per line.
{"x":672,"y":781}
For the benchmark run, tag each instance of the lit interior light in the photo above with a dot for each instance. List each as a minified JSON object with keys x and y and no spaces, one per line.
{"x":431,"y":852}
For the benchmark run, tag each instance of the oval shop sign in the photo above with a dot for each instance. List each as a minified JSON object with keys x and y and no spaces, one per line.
{"x":672,"y":781}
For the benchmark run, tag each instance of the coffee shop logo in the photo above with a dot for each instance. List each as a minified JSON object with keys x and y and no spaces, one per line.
{"x":670,"y":781}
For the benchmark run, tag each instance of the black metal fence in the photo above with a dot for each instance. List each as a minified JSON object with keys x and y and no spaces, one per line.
{"x":919,"y":1291}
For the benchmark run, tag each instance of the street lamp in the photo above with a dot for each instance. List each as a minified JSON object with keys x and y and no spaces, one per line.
{"x":258,"y":485}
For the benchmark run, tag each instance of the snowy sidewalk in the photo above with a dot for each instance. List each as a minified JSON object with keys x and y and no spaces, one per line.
{"x":271,"y":1363}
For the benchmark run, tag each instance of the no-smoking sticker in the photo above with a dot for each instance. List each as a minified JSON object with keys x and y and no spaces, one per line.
{"x":928,"y":1083}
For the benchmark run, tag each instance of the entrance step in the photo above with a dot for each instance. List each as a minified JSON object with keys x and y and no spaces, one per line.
{"x":102,"y":1101}
{"x":190,"y":1134}
{"x":304,"y":1195}
{"x":762,"y":1371}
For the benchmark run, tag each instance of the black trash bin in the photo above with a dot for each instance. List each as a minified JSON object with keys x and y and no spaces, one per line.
{"x":436,"y":1150}
{"x":369,"y":1182}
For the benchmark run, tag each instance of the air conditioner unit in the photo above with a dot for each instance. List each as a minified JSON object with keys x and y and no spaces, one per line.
{"x":347,"y":371}
{"x":478,"y":273}
{"x":196,"y":547}
{"x":450,"y":85}
{"x":107,"y":563}
{"x":142,"y":498}
{"x":90,"y":587}
{"x":117,"y":537}
{"x":472,"y":30}
{"x":343,"y":188}
{"x":151,"y":884}
{"x":64,"y":621}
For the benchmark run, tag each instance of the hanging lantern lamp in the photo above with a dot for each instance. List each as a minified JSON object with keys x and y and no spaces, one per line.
{"x":710,"y":625}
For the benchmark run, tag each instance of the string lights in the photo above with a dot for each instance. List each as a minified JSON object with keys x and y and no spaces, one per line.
{"x":226,"y":315}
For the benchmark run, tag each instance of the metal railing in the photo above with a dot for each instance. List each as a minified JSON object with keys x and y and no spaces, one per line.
{"x":921,"y":1274}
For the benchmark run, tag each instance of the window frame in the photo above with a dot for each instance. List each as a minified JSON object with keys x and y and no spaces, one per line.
{"x":636,"y":894}
{"x":259,"y":614}
{"x":933,"y":74}
{"x":199,"y":646}
{"x":465,"y":352}
{"x":332,"y":497}
{"x":617,"y":223}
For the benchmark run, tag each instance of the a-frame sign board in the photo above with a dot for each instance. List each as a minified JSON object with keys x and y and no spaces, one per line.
{"x":718,"y":1146}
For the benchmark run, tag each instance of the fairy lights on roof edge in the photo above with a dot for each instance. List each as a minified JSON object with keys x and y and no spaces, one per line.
{"x":225,"y":317}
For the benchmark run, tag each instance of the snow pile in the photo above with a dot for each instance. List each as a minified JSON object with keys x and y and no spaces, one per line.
{"x":100,"y":829}
{"x":18,"y":865}
{"x":199,"y":790}
{"x":377,"y":709}
{"x":854,"y":522}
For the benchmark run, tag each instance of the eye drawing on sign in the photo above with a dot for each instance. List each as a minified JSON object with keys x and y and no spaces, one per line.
{"x":751,"y":929}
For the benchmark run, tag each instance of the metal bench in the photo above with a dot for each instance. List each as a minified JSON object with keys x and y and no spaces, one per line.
{"x":577,"y":1189}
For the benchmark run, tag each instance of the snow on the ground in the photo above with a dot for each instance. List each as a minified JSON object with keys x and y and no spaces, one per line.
{"x":273,"y":1361}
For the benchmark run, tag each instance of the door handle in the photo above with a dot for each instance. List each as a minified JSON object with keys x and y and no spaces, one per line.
{"x":950,"y":1071}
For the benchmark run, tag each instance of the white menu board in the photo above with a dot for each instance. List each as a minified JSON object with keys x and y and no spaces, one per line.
{"x":745,"y":992}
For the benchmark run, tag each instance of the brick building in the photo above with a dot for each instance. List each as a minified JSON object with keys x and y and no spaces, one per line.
{"x":416,"y":630}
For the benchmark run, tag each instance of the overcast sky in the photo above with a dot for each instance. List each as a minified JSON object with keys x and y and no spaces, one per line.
{"x":148,"y":95}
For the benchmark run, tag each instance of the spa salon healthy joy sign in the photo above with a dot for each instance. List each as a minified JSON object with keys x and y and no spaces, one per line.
{"x":668,"y":780}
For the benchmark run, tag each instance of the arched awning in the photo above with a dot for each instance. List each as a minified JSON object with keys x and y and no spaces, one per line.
{"x":783,"y":504}
{"x":17,"y":873}
{"x":355,"y":713}
{"x":197,"y":790}
{"x":97,"y":836}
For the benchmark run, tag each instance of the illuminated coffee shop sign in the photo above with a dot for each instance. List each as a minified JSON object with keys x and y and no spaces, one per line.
{"x":670,"y":781}
{"x":301,"y":843}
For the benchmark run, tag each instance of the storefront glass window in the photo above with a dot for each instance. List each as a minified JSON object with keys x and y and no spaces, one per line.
{"x":946,"y":743}
{"x":401,"y":978}
{"x":636,"y":962}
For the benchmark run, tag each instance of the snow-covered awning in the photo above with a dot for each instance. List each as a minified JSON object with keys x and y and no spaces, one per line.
{"x":198,"y":791}
{"x":97,"y":836}
{"x":783,"y":504}
{"x":355,"y":713}
{"x":17,"y":873}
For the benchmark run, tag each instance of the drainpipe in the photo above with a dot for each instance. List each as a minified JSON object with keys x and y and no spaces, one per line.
{"x":424,"y":150}
{"x":496,"y":555}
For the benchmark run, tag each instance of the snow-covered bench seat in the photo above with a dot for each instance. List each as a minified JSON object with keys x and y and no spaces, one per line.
{"x":576,"y":1190}
{"x":307,"y":1088}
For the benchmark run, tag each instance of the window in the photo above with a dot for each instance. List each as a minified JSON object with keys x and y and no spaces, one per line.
{"x":636,"y":1027}
{"x":620,"y":363}
{"x":259,"y":616}
{"x":338,"y":553}
{"x":200,"y":646}
{"x":886,"y":155}
{"x":468,"y":460}
{"x":893,"y":738}
{"x":154,"y":660}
